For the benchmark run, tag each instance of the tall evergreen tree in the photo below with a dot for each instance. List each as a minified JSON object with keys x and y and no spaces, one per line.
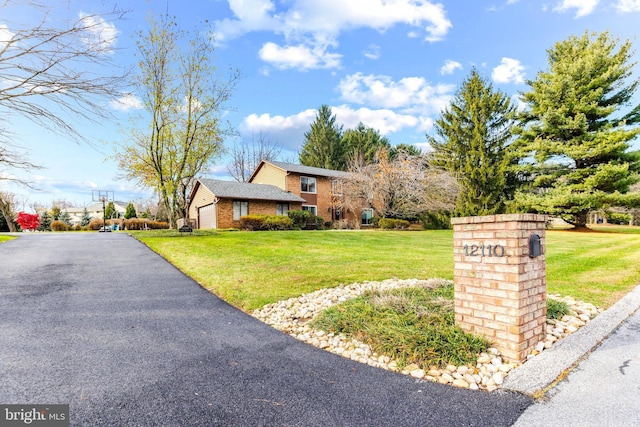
{"x":574,"y":138}
{"x":409,"y":149}
{"x":65,"y":217}
{"x":130,"y":212}
{"x":45,"y":221}
{"x":362,"y":143}
{"x":86,"y":218}
{"x":473,"y":134}
{"x":323,"y":147}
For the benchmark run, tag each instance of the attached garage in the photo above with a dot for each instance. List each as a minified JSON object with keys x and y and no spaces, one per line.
{"x":220,"y":204}
{"x":207,"y":216}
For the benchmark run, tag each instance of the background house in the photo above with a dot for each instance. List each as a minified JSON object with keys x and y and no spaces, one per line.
{"x":321,"y":189}
{"x":95,"y":211}
{"x":220,"y":204}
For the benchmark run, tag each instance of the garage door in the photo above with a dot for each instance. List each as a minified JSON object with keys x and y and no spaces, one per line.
{"x":207,"y":216}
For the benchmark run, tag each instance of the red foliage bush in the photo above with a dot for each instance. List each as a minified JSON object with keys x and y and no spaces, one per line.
{"x":28,"y":221}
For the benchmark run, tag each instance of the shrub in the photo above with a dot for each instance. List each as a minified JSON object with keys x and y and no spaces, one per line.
{"x":265,"y":222}
{"x":28,"y":221}
{"x":617,"y":218}
{"x":95,"y":224}
{"x":252,"y":222}
{"x":299,"y":217}
{"x":315,"y":222}
{"x":135,"y":224}
{"x":393,"y":224}
{"x":278,"y":222}
{"x":436,"y":221}
{"x":140,"y":224}
{"x":59,"y":226}
{"x":556,"y":309}
{"x":158,"y":225}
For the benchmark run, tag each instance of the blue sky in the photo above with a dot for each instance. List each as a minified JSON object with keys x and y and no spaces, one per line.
{"x":391,"y":64}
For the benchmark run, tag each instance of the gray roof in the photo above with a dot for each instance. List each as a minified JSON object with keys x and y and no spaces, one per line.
{"x":309,"y":170}
{"x":249,"y":191}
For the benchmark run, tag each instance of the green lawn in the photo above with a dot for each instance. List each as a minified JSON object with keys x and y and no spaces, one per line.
{"x":250,"y":269}
{"x":5,"y":238}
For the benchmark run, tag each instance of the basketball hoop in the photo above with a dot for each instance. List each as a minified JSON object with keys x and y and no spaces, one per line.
{"x":103,"y":196}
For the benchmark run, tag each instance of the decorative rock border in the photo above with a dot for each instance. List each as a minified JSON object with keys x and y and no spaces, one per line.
{"x":293,"y":315}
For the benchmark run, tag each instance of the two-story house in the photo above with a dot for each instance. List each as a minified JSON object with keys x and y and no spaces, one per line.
{"x":320,"y":188}
{"x":274,"y":188}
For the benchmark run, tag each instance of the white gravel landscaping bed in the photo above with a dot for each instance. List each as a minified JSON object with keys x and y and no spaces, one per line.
{"x":293,"y":315}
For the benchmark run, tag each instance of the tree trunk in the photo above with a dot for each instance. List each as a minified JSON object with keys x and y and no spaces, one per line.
{"x":580,"y":221}
{"x":5,"y":211}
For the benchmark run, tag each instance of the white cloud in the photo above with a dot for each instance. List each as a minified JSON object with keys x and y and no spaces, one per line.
{"x":583,"y":7}
{"x":330,"y":17}
{"x":384,"y":120}
{"x":626,"y":6}
{"x":289,"y":131}
{"x":410,"y":94}
{"x":301,"y":57}
{"x":126,"y":102}
{"x":372,"y":52}
{"x":101,"y":35}
{"x":315,"y":25}
{"x":5,"y":36}
{"x":450,"y":67}
{"x":509,"y":71}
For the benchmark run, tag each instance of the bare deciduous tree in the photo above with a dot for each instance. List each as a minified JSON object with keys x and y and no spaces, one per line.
{"x":402,"y":187}
{"x":8,"y":207}
{"x":183,"y":99}
{"x":247,"y":154}
{"x":54,"y":75}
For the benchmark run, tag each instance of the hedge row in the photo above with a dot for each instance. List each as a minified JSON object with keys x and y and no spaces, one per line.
{"x":266,"y":222}
{"x":129,"y":224}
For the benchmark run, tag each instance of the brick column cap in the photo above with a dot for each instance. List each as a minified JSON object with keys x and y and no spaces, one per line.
{"x":499,"y":218}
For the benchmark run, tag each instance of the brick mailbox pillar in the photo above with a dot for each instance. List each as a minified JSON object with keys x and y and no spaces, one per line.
{"x":500,"y":280}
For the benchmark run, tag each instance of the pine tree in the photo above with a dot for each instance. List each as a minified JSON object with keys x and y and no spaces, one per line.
{"x":86,"y":218}
{"x":45,"y":221}
{"x":323,"y":147}
{"x":362,"y":143}
{"x":65,"y":217}
{"x":473,"y":136}
{"x":574,"y":138}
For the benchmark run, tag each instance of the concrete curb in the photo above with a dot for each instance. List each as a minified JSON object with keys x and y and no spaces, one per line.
{"x":541,"y":371}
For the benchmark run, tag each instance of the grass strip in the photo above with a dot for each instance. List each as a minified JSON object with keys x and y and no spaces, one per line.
{"x":251,"y":269}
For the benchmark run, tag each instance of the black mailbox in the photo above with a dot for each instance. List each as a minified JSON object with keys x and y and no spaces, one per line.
{"x":535,"y":249}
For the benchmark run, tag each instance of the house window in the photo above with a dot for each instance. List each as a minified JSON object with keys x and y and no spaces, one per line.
{"x":307,"y":184}
{"x":367,"y":215}
{"x":282,"y":208}
{"x":312,"y":209}
{"x":240,"y":208}
{"x":336,"y":187}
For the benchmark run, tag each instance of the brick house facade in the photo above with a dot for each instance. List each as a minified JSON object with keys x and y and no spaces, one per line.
{"x":220,"y":204}
{"x":320,"y":188}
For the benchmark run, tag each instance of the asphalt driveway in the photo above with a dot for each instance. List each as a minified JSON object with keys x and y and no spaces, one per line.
{"x":100,"y":322}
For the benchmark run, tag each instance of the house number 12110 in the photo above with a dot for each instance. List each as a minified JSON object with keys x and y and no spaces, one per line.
{"x":484,"y":250}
